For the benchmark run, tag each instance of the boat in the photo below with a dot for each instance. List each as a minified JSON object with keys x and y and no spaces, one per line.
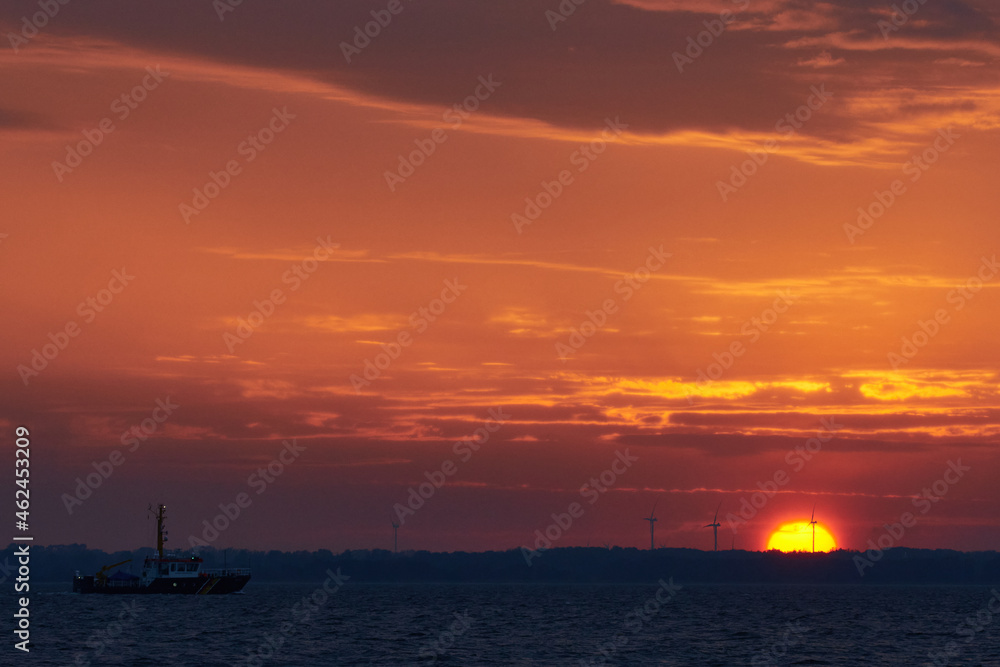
{"x":165,"y":573}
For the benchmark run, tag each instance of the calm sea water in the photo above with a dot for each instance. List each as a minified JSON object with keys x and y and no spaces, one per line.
{"x":420,"y":624}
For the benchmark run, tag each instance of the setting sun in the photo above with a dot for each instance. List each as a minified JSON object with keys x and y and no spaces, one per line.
{"x":798,"y":536}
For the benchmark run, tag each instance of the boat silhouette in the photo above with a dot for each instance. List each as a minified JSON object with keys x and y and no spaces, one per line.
{"x":166,"y":573}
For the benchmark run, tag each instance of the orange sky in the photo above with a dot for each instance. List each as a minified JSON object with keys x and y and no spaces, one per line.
{"x":678,"y":270}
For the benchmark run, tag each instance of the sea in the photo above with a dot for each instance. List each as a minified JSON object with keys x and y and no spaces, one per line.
{"x":662,"y":623}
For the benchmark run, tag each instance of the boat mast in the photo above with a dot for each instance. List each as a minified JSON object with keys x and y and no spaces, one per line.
{"x":161,"y":514}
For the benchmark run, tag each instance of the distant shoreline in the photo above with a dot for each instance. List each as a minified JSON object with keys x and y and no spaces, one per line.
{"x":569,"y":565}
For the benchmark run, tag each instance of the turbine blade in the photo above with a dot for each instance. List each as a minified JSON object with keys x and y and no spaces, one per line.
{"x":654,"y":505}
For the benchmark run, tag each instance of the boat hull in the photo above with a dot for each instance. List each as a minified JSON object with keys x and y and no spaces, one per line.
{"x":208,"y":585}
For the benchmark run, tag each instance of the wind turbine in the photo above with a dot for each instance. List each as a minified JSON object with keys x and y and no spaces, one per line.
{"x":812,"y":521}
{"x":395,"y":543}
{"x":652,"y":524}
{"x":715,"y":526}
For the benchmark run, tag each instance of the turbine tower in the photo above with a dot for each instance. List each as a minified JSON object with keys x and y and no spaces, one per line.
{"x":652,"y":524}
{"x":812,"y":521}
{"x":715,"y":526}
{"x":395,"y":543}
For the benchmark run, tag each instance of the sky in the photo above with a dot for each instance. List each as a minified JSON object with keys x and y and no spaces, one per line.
{"x":556,"y":263}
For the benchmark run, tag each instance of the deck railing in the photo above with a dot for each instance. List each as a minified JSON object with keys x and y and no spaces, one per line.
{"x":227,"y":572}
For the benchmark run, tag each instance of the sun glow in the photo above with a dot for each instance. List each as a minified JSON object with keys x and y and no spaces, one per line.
{"x":798,"y":536}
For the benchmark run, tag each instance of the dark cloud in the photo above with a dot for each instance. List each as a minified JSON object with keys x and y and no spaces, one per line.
{"x":851,"y":422}
{"x":920,"y":108}
{"x":604,"y":60}
{"x":730,"y":445}
{"x":19,"y":120}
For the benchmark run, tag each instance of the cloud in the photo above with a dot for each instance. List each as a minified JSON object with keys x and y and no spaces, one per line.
{"x":21,"y":120}
{"x":959,"y":62}
{"x":824,"y":59}
{"x":290,"y":255}
{"x":612,"y":58}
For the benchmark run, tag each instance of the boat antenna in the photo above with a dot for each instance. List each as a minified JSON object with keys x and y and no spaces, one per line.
{"x":161,"y":535}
